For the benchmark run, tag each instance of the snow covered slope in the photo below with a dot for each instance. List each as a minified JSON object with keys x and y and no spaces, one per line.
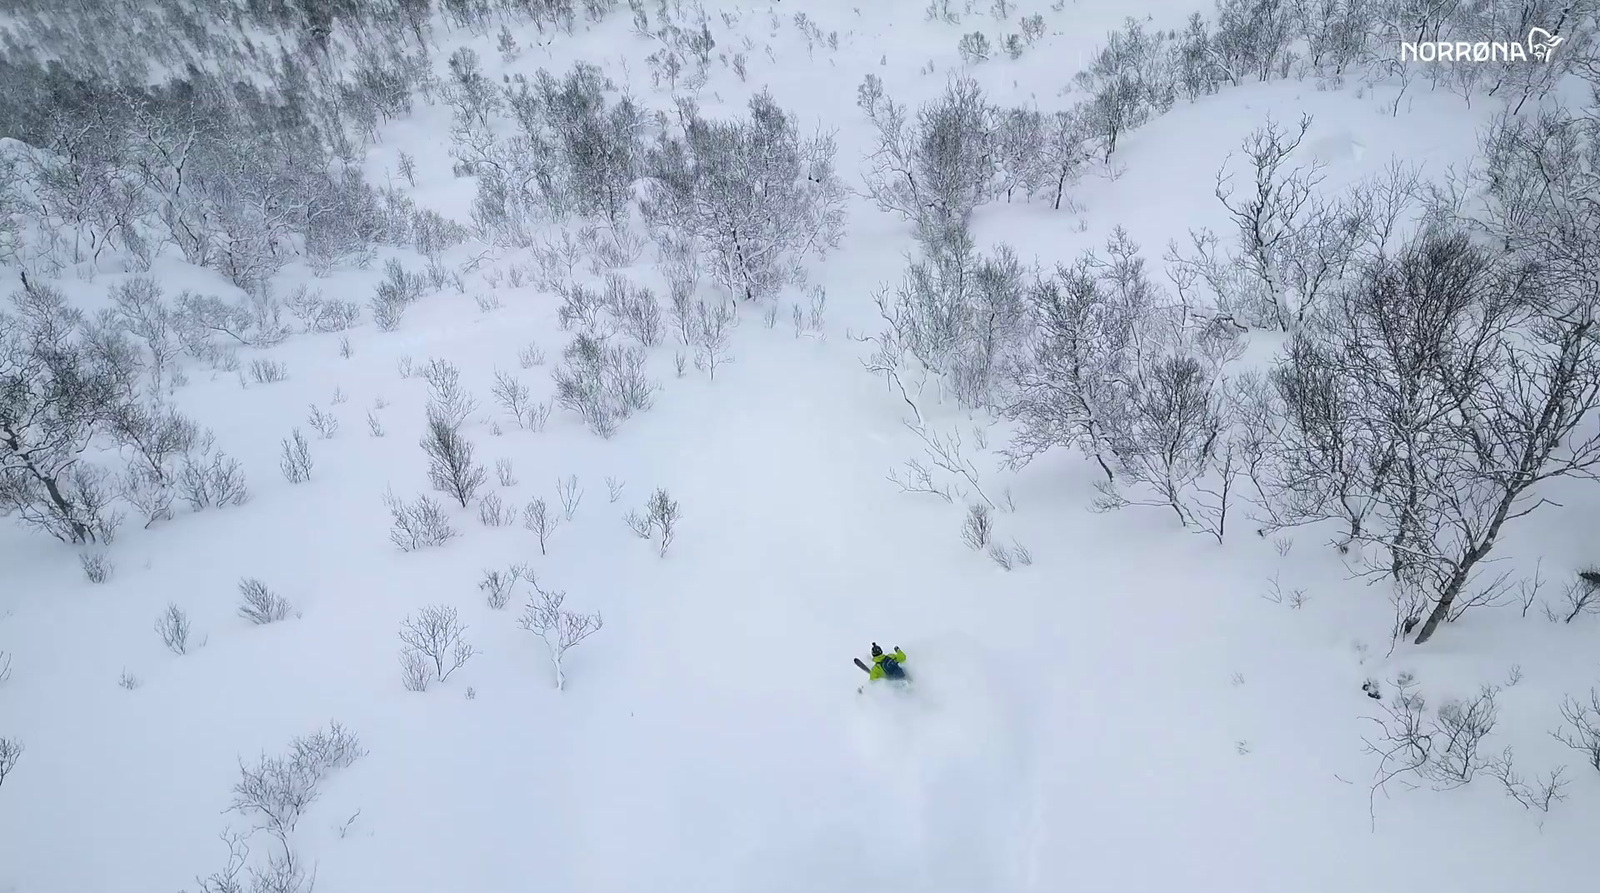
{"x":1126,"y":712}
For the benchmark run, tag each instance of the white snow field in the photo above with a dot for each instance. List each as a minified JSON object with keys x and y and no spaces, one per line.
{"x":1128,"y":712}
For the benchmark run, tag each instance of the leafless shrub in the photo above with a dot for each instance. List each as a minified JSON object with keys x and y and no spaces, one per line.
{"x":128,"y":681}
{"x":261,"y":605}
{"x":447,"y":399}
{"x":283,"y":874}
{"x":173,"y":628}
{"x":277,"y":790}
{"x":1282,"y":544}
{"x":504,"y":472}
{"x":324,"y":423}
{"x":1294,"y":598}
{"x":603,"y":383}
{"x":1541,"y":793}
{"x":295,"y":458}
{"x":635,"y":308}
{"x":530,"y":356}
{"x":497,"y":585}
{"x":713,"y":330}
{"x":5,"y":667}
{"x":1528,"y":591}
{"x":1580,"y":729}
{"x":209,"y":478}
{"x":918,"y":478}
{"x":319,"y":314}
{"x":559,"y":628}
{"x":1581,"y":597}
{"x":639,"y":524}
{"x":570,"y":495}
{"x":538,"y":416}
{"x":493,"y":512}
{"x":399,"y":290}
{"x":614,"y":488}
{"x":1458,"y":734}
{"x":227,"y":879}
{"x":661,"y":515}
{"x":374,"y":427}
{"x":488,"y":302}
{"x":452,"y":466}
{"x":96,"y":567}
{"x":415,"y":673}
{"x":978,"y":528}
{"x":10,"y":752}
{"x":513,"y":396}
{"x":1002,"y":555}
{"x":582,"y":310}
{"x":418,"y":524}
{"x":436,"y":632}
{"x":1023,"y":556}
{"x":537,"y":517}
{"x":268,"y":371}
{"x":1444,"y":750}
{"x":345,"y":350}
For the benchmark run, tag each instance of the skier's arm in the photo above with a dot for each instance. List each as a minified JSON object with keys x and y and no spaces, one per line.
{"x":899,"y":656}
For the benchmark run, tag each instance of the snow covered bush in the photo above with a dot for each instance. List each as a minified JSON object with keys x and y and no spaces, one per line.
{"x":63,"y":386}
{"x":493,"y":511}
{"x":603,"y":383}
{"x":396,"y":293}
{"x":660,"y":516}
{"x":753,"y":195}
{"x":498,"y":585}
{"x":261,"y":605}
{"x":635,"y":309}
{"x":1580,"y":728}
{"x":173,"y":627}
{"x":961,"y":317}
{"x":538,"y":518}
{"x":935,"y":171}
{"x":325,"y":423}
{"x":560,"y":629}
{"x":436,"y":633}
{"x":418,"y":524}
{"x":1069,"y":391}
{"x":513,"y":396}
{"x":10,"y":752}
{"x":277,"y":790}
{"x":978,"y":528}
{"x":211,"y":478}
{"x":1128,"y":80}
{"x":96,"y":566}
{"x":294,"y":458}
{"x":452,"y":464}
{"x":1134,"y":381}
{"x":319,"y":314}
{"x":974,"y":48}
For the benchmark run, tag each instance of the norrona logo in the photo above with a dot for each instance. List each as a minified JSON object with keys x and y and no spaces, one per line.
{"x":1539,"y":46}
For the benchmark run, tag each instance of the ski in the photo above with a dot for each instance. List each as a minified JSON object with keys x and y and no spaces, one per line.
{"x":863,"y":667}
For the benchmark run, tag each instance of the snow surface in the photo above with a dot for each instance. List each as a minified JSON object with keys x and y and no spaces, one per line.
{"x":1125,"y":714}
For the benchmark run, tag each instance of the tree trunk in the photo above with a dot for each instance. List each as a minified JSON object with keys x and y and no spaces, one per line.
{"x":1458,"y":580}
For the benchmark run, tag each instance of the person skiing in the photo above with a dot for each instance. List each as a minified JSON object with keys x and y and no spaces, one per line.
{"x":884,"y":666}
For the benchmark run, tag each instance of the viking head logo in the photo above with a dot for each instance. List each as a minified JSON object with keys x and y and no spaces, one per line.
{"x":1542,"y":43}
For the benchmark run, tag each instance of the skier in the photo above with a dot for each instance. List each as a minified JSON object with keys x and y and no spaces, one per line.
{"x":884,"y":666}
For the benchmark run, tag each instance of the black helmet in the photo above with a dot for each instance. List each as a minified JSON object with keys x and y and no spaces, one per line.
{"x":876,"y":651}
